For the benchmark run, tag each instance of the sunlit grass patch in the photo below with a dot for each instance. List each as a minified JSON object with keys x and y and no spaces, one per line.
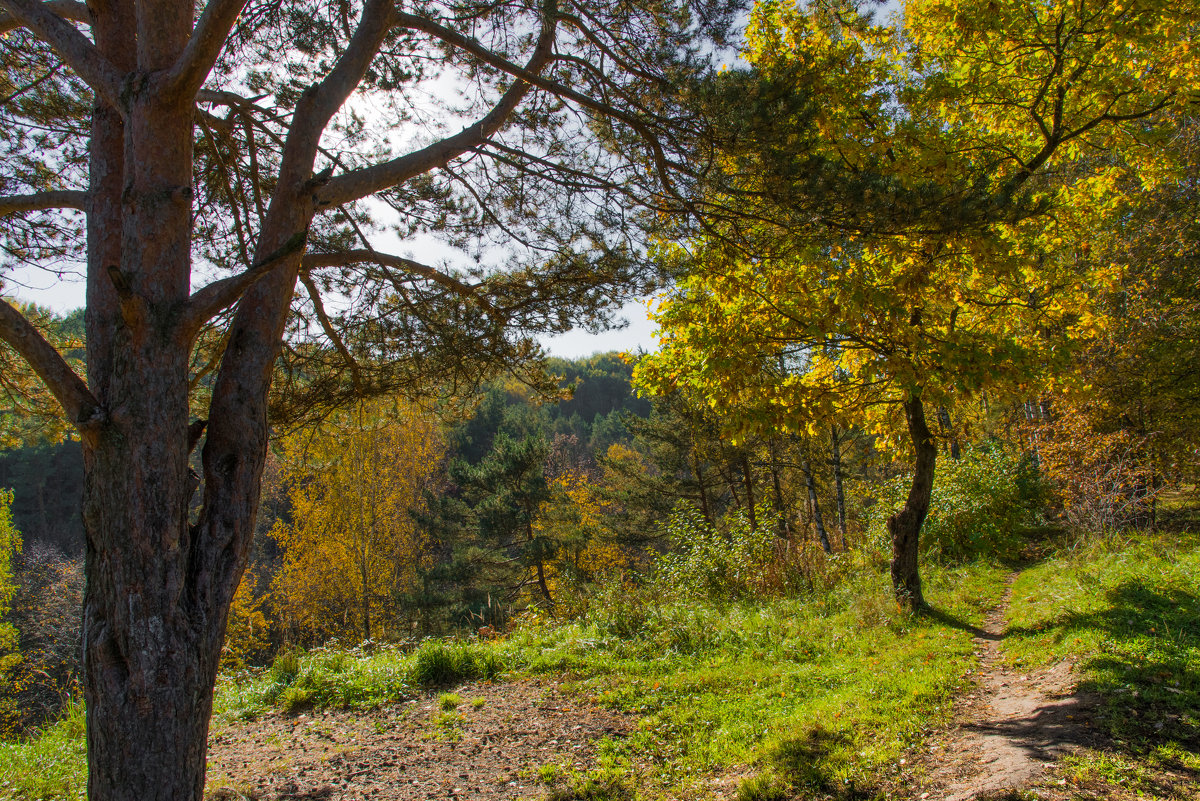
{"x":51,"y":766}
{"x":1126,"y":612}
{"x":819,"y":693}
{"x":357,"y":679}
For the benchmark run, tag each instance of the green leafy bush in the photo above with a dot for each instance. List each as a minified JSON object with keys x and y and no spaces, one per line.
{"x":718,"y":562}
{"x":979,"y":503}
{"x":439,"y":664}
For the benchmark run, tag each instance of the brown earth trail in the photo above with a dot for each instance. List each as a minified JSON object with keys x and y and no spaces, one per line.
{"x":1010,"y":729}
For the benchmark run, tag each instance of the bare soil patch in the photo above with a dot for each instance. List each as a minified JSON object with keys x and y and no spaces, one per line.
{"x":488,"y":747}
{"x":1010,"y":729}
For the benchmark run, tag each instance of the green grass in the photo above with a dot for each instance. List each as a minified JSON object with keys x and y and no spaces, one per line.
{"x":818,"y":695}
{"x":1128,"y":613}
{"x":52,"y":766}
{"x":357,"y":680}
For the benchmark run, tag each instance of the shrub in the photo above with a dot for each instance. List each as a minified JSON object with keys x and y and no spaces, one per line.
{"x":726,"y":562}
{"x":46,"y":613}
{"x":979,"y":502}
{"x":285,"y":668}
{"x":439,"y":664}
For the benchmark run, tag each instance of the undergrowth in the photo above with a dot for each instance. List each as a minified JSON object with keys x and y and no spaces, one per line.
{"x":820,"y":695}
{"x":51,"y":766}
{"x":357,"y":679}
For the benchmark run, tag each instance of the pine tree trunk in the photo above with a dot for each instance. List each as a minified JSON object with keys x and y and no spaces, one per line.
{"x":158,"y":589}
{"x":905,"y":525}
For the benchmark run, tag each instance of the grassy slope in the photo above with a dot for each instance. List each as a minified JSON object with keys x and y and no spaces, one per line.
{"x":1128,"y":613}
{"x":814,"y":696}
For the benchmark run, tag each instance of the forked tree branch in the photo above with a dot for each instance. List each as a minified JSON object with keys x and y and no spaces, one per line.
{"x":210,"y":300}
{"x":204,"y":47}
{"x":68,"y":388}
{"x":71,"y":46}
{"x":465,"y":43}
{"x":43,"y":201}
{"x":368,"y":180}
{"x":67,"y":9}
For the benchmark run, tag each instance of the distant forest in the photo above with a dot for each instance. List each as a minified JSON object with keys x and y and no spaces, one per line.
{"x":46,"y":477}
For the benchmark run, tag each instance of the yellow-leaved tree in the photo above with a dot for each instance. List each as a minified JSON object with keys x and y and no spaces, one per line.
{"x":353,"y":546}
{"x":10,"y":655}
{"x":903,"y":212}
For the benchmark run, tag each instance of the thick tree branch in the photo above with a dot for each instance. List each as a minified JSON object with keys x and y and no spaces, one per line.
{"x":67,"y":9}
{"x":68,"y":388}
{"x":319,"y":103}
{"x":71,"y":46}
{"x":360,"y":183}
{"x":204,"y":47}
{"x":210,"y":300}
{"x":662,"y":164}
{"x":42,"y":201}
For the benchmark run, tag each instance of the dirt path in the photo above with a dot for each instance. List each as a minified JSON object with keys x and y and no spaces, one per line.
{"x":1010,"y":729}
{"x":493,"y":745}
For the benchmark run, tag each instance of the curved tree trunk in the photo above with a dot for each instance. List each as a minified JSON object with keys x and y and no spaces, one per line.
{"x":905,"y":525}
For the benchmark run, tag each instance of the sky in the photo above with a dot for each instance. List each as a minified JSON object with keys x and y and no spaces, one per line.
{"x":66,"y":294}
{"x":638,"y":334}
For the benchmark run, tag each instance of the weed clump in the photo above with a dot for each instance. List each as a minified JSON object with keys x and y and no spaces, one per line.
{"x":763,"y":787}
{"x":440,"y":664}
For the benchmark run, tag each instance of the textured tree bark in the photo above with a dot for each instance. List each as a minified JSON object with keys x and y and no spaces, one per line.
{"x":838,"y":486}
{"x":152,"y":633}
{"x":905,"y":525}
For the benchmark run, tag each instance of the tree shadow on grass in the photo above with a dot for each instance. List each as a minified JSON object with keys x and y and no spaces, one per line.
{"x":1149,"y":696}
{"x":946,"y":619}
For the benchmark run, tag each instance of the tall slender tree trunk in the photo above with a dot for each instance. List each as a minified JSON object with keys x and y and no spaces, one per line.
{"x":815,"y":504}
{"x":785,"y":527}
{"x":905,"y":524}
{"x":366,"y":604}
{"x":542,"y":583}
{"x":698,"y":468}
{"x":749,"y":481}
{"x":839,"y":490}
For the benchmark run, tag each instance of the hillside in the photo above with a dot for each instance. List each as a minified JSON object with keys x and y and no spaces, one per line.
{"x":1063,"y":673}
